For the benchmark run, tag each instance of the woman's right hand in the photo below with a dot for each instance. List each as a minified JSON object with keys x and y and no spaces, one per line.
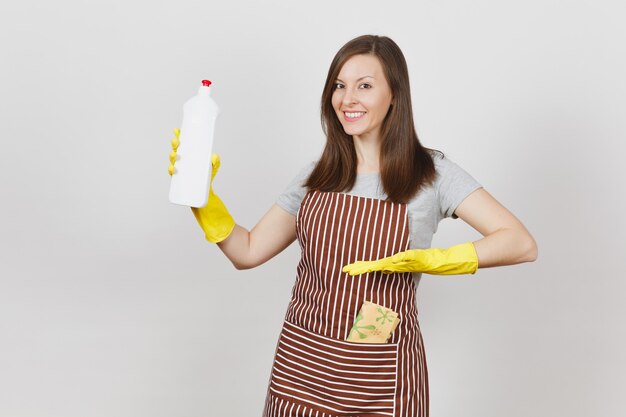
{"x":213,"y":218}
{"x":272,"y":234}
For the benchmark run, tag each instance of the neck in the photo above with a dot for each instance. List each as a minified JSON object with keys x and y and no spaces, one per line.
{"x":367,"y":152}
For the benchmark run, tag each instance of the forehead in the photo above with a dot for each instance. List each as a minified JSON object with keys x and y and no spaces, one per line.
{"x":359,"y":66}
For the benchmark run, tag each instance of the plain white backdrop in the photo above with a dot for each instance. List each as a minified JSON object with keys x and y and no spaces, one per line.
{"x":113,"y":304}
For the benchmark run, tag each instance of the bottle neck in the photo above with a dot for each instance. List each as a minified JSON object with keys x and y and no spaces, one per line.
{"x":204,"y":91}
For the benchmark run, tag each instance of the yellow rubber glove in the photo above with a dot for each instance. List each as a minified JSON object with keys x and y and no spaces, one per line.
{"x":175,"y":143}
{"x":213,"y":218}
{"x":456,"y":260}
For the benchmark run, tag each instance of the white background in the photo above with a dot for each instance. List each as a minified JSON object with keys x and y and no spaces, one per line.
{"x":113,"y":304}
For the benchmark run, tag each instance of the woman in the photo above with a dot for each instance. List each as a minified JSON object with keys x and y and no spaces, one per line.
{"x":364,"y":215}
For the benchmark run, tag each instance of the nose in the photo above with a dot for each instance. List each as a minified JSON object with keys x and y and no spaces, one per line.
{"x":348,"y":97}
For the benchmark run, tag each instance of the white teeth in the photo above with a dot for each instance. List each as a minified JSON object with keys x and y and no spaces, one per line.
{"x":353,"y":115}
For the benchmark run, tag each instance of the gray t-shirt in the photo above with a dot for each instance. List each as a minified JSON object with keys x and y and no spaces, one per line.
{"x":425,"y":210}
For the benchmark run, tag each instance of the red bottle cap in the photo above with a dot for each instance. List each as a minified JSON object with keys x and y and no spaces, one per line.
{"x":206,"y":83}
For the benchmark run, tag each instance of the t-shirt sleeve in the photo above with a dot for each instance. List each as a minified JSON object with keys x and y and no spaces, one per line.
{"x":453,"y":185}
{"x":292,"y":196}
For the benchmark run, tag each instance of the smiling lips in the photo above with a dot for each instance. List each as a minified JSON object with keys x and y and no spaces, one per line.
{"x":353,"y":116}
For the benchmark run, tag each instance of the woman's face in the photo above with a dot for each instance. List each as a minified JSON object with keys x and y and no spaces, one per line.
{"x":361,"y":88}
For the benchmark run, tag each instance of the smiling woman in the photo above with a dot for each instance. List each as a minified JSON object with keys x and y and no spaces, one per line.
{"x":364,"y":215}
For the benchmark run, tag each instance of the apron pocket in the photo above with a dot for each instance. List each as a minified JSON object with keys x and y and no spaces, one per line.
{"x":373,"y":324}
{"x":335,"y":376}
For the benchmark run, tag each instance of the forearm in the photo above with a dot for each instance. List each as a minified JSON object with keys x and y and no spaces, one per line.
{"x":236,"y":247}
{"x":505,"y":247}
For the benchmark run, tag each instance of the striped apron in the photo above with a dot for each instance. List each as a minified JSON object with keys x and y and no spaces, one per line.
{"x":316,"y":372}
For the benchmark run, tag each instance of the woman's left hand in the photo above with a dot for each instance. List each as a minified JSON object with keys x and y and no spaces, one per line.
{"x":459,"y":259}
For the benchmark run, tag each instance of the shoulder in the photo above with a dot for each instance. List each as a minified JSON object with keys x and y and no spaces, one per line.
{"x":306,"y":169}
{"x":292,"y":195}
{"x":440,"y":160}
{"x":310,"y":165}
{"x":445,"y":166}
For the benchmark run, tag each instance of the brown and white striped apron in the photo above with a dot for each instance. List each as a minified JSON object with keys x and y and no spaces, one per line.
{"x":316,"y":372}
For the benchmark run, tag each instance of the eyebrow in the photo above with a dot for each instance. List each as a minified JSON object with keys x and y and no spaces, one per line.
{"x":358,"y":79}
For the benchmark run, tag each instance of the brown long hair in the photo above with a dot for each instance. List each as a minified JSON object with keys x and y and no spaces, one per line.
{"x":405,"y":165}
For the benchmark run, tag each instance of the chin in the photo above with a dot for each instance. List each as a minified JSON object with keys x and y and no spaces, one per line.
{"x":354,"y":131}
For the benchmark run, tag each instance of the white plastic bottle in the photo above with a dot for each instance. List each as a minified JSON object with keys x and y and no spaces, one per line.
{"x":190,"y":182}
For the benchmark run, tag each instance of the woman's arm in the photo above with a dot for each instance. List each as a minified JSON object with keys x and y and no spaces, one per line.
{"x":506,"y":241}
{"x":273,"y":233}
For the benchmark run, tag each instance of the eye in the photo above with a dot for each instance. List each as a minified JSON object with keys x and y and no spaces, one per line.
{"x":367,"y":85}
{"x":337,"y":85}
